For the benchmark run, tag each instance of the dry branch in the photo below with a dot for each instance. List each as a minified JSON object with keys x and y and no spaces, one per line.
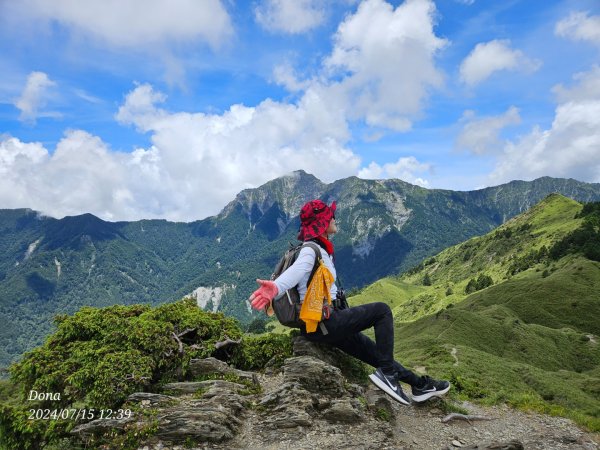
{"x":186,"y":331}
{"x":131,"y":376}
{"x":226,"y":343}
{"x":468,"y":418}
{"x":179,"y":342}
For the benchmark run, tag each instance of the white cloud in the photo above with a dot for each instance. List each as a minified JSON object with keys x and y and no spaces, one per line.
{"x":196,"y":164}
{"x":405,"y":169}
{"x":381,"y":68}
{"x":285,"y":75}
{"x":380,"y":71}
{"x":290,"y":16}
{"x":135,"y":23}
{"x":481,"y":135}
{"x":385,"y":59}
{"x":14,"y":152}
{"x":587,"y":87}
{"x":489,"y":57}
{"x":569,"y":148}
{"x":87,"y":97}
{"x":578,"y":26}
{"x":79,"y":176}
{"x":34,"y":96}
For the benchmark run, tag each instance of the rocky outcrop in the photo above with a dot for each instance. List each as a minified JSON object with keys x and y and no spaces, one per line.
{"x":241,"y":409}
{"x":307,"y":403}
{"x":206,"y":411}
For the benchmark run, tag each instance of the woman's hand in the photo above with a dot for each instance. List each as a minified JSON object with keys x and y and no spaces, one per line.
{"x":263,"y":295}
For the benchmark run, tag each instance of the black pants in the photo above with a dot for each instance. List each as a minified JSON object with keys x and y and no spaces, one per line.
{"x":344,"y":332}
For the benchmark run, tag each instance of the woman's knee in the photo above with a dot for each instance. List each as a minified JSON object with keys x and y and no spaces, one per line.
{"x":382,"y":308}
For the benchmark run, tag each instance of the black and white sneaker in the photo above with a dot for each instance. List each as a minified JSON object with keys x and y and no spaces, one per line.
{"x":432,"y":388}
{"x":389,"y":385}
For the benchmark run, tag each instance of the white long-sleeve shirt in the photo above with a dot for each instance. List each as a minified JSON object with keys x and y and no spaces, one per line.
{"x":299,"y":272}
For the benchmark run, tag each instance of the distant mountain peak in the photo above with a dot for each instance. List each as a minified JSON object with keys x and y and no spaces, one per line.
{"x":74,"y":231}
{"x":289,"y":191}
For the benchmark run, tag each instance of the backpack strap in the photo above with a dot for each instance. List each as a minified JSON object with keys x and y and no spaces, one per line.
{"x":318,"y":258}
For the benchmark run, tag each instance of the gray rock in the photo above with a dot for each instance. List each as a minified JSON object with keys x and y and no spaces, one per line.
{"x":343,"y":411}
{"x":292,"y":419}
{"x":191,"y":387}
{"x":99,"y":426}
{"x":149,"y":399}
{"x":286,"y":392}
{"x":314,"y":375}
{"x":288,"y":406}
{"x":222,"y":398}
{"x":331,"y":355}
{"x":378,"y":400}
{"x":213,"y":366}
{"x":214,"y":417}
{"x":303,"y":347}
{"x":204,"y":424}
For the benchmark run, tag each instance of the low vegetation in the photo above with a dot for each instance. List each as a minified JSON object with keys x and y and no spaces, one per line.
{"x":99,"y":356}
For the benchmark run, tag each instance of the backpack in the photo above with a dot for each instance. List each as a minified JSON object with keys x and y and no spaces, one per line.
{"x":287,"y":307}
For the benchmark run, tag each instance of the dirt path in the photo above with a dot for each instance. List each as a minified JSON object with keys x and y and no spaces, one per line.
{"x":421,"y":428}
{"x":454,"y":354}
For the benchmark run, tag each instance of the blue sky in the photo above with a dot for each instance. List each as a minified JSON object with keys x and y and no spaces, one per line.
{"x":166,"y":109}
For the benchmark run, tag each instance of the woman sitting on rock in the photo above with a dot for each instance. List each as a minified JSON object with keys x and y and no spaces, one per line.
{"x":343,"y":328}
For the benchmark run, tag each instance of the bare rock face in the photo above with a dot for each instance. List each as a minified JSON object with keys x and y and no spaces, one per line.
{"x":213,"y":366}
{"x":206,"y":411}
{"x":312,"y":391}
{"x":311,"y":402}
{"x":314,"y":375}
{"x":309,"y":394}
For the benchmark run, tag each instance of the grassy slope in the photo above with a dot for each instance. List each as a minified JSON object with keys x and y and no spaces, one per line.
{"x":491,"y":254}
{"x":523,"y":340}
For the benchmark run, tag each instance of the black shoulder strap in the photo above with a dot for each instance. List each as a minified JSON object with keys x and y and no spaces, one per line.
{"x":318,"y":258}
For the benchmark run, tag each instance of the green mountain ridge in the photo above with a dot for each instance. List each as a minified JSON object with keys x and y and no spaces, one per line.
{"x":530,"y":339}
{"x":527,"y":338}
{"x":55,"y":266}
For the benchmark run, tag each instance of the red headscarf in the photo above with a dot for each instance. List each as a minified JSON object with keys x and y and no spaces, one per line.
{"x":314,"y":219}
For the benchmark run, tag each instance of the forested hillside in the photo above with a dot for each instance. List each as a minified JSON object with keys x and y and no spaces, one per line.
{"x":53,"y":266}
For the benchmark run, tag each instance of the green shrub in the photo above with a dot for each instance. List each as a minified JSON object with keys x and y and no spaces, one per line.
{"x":426,"y":280}
{"x":255,"y":352}
{"x":479,"y":283}
{"x":99,"y":356}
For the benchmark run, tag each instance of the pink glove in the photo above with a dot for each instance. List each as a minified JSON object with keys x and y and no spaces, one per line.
{"x":263,"y":295}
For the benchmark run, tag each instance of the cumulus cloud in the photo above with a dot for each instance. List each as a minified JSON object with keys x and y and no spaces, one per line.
{"x":579,"y":26}
{"x":136,"y":23}
{"x":481,"y":135}
{"x":79,"y":176}
{"x":569,"y":148}
{"x":489,"y":57}
{"x":289,"y":16}
{"x":385,"y":58}
{"x":405,"y":168}
{"x":196,"y":164}
{"x":34,"y":96}
{"x":380,"y":72}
